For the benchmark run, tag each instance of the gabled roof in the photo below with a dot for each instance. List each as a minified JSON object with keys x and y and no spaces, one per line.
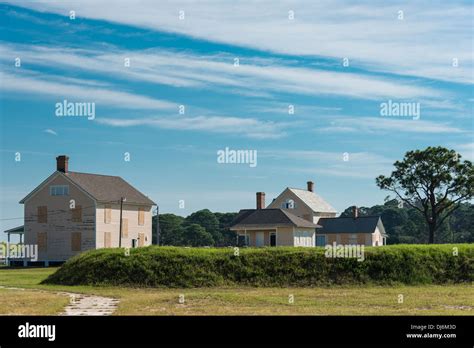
{"x":102,"y":188}
{"x":315,"y":202}
{"x":269,"y":217}
{"x":107,"y":188}
{"x":362,"y":224}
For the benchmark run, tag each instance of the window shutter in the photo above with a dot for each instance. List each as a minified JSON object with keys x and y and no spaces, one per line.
{"x":107,"y":214}
{"x":125,"y":228}
{"x":107,"y":242}
{"x":43,"y":214}
{"x":77,"y":214}
{"x":141,"y":216}
{"x":42,"y":240}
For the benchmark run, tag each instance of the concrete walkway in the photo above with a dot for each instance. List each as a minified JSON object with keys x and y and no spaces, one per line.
{"x":90,"y":305}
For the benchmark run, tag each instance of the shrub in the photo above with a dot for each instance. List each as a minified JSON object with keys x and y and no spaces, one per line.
{"x":282,"y":266}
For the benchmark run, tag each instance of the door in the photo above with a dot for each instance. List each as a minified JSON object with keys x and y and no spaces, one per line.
{"x":320,"y":240}
{"x":273,"y":239}
{"x":76,"y":241}
{"x":141,"y":239}
{"x":259,"y":239}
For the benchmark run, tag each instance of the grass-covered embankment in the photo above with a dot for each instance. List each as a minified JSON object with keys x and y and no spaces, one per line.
{"x":197,"y":267}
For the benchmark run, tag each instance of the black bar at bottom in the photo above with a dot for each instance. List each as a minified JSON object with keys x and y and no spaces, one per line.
{"x":297,"y":330}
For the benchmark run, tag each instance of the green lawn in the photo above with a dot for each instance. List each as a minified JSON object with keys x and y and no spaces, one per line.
{"x":337,"y":300}
{"x":30,"y":302}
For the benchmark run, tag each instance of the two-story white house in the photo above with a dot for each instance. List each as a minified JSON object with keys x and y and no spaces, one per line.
{"x":71,"y":212}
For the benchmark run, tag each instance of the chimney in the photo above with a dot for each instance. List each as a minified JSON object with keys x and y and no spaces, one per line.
{"x":355,"y":212}
{"x":310,"y":186}
{"x":260,"y":200}
{"x":62,"y":163}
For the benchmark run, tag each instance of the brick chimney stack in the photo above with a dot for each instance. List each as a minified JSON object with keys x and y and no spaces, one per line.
{"x":62,"y":163}
{"x":310,"y":186}
{"x":260,"y":200}
{"x":355,"y":212}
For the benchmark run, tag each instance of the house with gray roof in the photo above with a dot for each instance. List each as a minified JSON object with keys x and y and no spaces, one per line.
{"x":272,"y":227}
{"x":71,"y":212}
{"x":299,"y":217}
{"x":361,"y":230}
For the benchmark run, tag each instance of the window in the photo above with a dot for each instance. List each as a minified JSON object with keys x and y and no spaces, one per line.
{"x":76,"y":241}
{"x":273,"y":240}
{"x":42,"y":241}
{"x":320,"y":240}
{"x":76,"y":214}
{"x":107,"y":214}
{"x":353,"y":239}
{"x":289,"y":204}
{"x":304,"y":238}
{"x":42,"y":214}
{"x":241,"y":240}
{"x":59,"y":190}
{"x":244,"y":240}
{"x":134,"y":243}
{"x":141,"y":216}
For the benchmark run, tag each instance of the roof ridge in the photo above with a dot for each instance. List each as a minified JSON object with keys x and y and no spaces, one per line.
{"x":351,"y":217}
{"x":112,"y":176}
{"x":291,"y":216}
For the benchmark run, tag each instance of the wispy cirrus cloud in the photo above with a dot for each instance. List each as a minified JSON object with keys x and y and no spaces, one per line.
{"x":252,"y":77}
{"x":386,"y":125}
{"x":50,"y":131}
{"x":44,"y":84}
{"x":248,"y":127}
{"x":466,"y":150}
{"x":424,"y":43}
{"x":357,"y":164}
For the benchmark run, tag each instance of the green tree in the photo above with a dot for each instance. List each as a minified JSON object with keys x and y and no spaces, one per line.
{"x":433,"y":181}
{"x":206,"y":219}
{"x":195,"y":235}
{"x":461,"y":225}
{"x":171,"y":232}
{"x":228,"y":237}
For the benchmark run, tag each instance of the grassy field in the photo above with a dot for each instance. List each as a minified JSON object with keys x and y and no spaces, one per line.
{"x":29,"y":302}
{"x":335,"y":300}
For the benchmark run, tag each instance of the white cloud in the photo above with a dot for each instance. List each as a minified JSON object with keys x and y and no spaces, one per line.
{"x":253,"y":77}
{"x":466,"y":150}
{"x":331,"y":163}
{"x":50,"y":131}
{"x":387,"y":125}
{"x":423,"y":44}
{"x":248,"y":127}
{"x":44,"y":84}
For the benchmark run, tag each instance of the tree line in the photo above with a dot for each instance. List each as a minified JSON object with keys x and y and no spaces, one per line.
{"x":201,"y":228}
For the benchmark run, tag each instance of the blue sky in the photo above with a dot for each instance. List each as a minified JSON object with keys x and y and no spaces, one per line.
{"x":190,"y":62}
